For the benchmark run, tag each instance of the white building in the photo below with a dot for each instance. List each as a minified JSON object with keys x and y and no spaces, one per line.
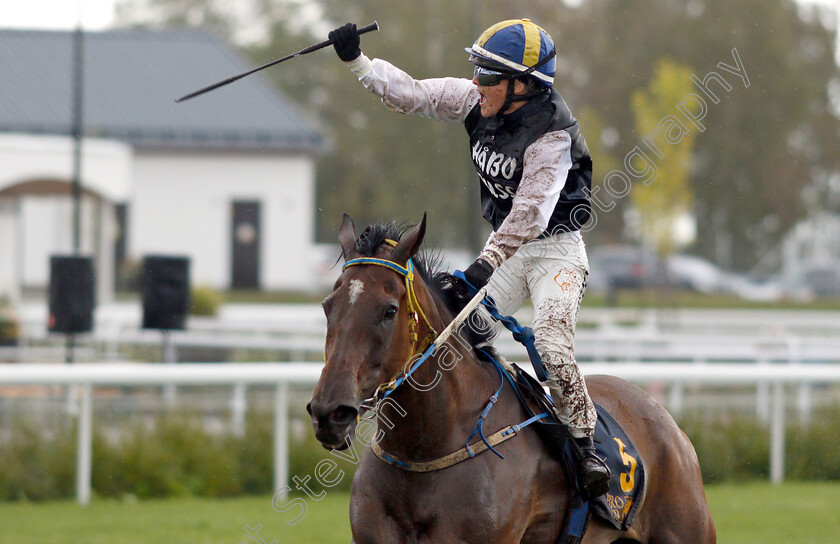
{"x":226,"y":178}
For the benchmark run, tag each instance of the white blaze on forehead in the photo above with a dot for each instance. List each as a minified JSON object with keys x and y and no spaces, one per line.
{"x":356,"y":289}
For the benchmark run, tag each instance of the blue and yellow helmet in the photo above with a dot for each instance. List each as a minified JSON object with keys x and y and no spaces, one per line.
{"x":516,"y":46}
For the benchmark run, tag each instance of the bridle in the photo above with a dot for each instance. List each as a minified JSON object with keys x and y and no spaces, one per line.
{"x":416,"y":358}
{"x":414,"y":310}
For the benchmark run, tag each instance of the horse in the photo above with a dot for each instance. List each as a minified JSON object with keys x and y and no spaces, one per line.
{"x":382,"y":311}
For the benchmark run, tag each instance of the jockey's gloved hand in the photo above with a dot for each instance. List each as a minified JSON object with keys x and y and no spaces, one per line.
{"x":478,"y":273}
{"x":456,"y":293}
{"x":346,"y":41}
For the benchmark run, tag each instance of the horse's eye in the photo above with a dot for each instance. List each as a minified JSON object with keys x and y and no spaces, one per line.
{"x":389,"y":313}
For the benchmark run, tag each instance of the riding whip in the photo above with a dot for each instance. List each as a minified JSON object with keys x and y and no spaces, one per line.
{"x":373,"y":26}
{"x":460,"y":318}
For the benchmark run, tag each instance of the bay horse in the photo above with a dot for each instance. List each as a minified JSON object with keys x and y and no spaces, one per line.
{"x":383,"y":309}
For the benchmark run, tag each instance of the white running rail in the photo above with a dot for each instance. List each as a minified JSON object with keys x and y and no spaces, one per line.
{"x":281,"y":375}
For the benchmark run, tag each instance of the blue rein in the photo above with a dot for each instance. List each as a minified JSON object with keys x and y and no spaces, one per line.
{"x":523,"y":335}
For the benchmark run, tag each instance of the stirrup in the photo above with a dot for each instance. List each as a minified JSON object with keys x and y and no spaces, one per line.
{"x":596,"y":481}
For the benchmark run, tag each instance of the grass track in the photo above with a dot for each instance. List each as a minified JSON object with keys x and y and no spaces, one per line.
{"x":805,"y":513}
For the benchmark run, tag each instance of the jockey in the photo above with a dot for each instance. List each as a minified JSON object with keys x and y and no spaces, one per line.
{"x":535,"y":174}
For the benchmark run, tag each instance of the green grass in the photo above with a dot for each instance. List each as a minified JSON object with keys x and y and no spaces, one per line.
{"x":744,"y":514}
{"x":175,"y":521}
{"x":627,"y":298}
{"x":804,"y":513}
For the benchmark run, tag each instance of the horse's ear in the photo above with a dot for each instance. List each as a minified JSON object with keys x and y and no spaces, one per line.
{"x":410,"y":242}
{"x":347,"y":237}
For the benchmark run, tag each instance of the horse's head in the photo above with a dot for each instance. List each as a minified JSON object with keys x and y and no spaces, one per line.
{"x":369,"y":316}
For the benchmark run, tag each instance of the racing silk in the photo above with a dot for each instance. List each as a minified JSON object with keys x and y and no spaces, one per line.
{"x":534,"y":165}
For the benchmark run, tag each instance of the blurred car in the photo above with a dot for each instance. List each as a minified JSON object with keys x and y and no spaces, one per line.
{"x":764,"y":290}
{"x":698,"y":274}
{"x":824,"y":281}
{"x":813,"y":281}
{"x":625,"y":267}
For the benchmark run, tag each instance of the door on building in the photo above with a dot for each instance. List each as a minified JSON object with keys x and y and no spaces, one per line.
{"x":245,"y":237}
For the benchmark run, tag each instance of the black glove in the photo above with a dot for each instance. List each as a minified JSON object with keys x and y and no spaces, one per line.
{"x":346,"y":41}
{"x":478,"y":273}
{"x":455,"y":293}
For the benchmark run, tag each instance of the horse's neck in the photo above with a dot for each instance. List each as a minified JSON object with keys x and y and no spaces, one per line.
{"x":431,"y":410}
{"x":434,"y":410}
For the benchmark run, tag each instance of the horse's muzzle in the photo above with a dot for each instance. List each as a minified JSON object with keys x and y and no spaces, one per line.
{"x":332,"y":423}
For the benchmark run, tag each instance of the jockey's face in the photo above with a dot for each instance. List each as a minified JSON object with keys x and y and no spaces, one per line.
{"x":493,"y":97}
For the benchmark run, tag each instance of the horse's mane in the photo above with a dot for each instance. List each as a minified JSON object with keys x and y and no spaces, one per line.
{"x":430,"y":266}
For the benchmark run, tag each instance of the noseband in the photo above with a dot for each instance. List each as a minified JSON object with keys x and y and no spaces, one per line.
{"x":414,"y":309}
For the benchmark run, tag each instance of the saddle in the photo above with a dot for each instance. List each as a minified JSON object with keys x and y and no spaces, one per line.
{"x":619,"y":505}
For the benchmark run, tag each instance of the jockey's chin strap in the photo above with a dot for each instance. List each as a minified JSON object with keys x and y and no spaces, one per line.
{"x":510,"y":98}
{"x":414,"y":310}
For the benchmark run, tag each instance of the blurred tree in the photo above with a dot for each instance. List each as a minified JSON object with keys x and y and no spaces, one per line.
{"x":764,"y":142}
{"x":766,"y":154}
{"x":213,"y":15}
{"x":605,"y":224}
{"x":387,"y":165}
{"x":661,"y":192}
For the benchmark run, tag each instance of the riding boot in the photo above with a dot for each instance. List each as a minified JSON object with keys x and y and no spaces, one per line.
{"x":593,"y":473}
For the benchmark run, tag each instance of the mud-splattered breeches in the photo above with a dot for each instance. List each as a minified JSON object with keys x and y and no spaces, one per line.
{"x":552,"y":272}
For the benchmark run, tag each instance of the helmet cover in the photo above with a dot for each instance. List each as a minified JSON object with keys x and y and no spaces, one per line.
{"x":516,"y":46}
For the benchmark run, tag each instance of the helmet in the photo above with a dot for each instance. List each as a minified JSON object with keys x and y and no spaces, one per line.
{"x":517,"y":46}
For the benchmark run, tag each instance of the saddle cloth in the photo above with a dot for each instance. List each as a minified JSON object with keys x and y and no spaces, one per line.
{"x":618,"y":506}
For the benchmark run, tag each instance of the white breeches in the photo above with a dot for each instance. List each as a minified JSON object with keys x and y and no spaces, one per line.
{"x":552,"y":272}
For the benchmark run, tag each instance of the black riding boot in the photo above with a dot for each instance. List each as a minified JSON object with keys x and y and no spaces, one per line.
{"x":593,"y":472}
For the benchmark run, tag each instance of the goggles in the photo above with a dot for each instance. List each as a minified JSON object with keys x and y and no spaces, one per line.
{"x":487,"y":77}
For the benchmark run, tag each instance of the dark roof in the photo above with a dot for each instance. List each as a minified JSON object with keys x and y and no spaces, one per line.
{"x":132,"y":78}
